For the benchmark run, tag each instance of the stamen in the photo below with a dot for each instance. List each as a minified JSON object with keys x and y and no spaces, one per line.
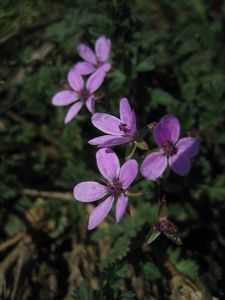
{"x":169,"y":148}
{"x":84,"y":95}
{"x":124,"y":128}
{"x":99,"y":63}
{"x":115,"y":188}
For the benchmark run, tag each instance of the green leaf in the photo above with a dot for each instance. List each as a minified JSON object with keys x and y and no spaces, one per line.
{"x":189,"y":268}
{"x":151,"y":271}
{"x":84,"y":292}
{"x":13,"y":225}
{"x":127,"y":295}
{"x":119,"y":250}
{"x":186,"y":266}
{"x":145,"y":65}
{"x":161,"y":97}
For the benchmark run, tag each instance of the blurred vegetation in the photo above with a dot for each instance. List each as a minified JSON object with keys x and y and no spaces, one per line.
{"x":167,"y":57}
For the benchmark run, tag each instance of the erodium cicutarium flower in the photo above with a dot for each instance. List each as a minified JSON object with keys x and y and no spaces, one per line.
{"x":117,"y":181}
{"x":94,"y":61}
{"x":118,"y":131}
{"x":81,"y":93}
{"x":175,"y":152}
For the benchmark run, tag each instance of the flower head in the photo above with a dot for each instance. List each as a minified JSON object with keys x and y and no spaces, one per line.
{"x":94,"y":60}
{"x":175,"y":152}
{"x":80,"y":93}
{"x":117,"y":181}
{"x":118,"y":131}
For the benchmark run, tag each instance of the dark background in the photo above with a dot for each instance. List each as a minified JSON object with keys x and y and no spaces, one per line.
{"x":167,"y":57}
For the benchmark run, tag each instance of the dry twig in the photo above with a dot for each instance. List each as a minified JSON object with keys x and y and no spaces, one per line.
{"x":46,"y":194}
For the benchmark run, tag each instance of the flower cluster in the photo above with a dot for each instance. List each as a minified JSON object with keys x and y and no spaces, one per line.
{"x":80,"y":91}
{"x":173,"y":152}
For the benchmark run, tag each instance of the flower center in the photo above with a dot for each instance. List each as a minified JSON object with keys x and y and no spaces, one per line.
{"x":115,"y":188}
{"x":84,"y":95}
{"x":169,"y":148}
{"x":124,"y":128}
{"x":99,"y":63}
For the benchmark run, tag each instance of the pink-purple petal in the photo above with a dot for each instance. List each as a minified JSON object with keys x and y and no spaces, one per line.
{"x":73,"y":111}
{"x":168,"y":129}
{"x":109,"y":141}
{"x":133,"y":126}
{"x":90,"y":104}
{"x":87,"y":54}
{"x":107,"y":123}
{"x":95,"y":81}
{"x":121,"y":206}
{"x":64,"y":98}
{"x":180,"y":164}
{"x":85,"y":68}
{"x":102,"y":48}
{"x":99,"y":213}
{"x":108,"y":163}
{"x":153,"y":165}
{"x":106,"y":67}
{"x":188,"y":146}
{"x":128,"y":173}
{"x":75,"y":80}
{"x":89,"y":191}
{"x":126,"y":115}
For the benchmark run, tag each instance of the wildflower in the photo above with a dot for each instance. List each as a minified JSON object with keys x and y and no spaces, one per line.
{"x":117,"y":181}
{"x":94,"y":61}
{"x":175,"y":152}
{"x":119,"y":131}
{"x":79,"y":94}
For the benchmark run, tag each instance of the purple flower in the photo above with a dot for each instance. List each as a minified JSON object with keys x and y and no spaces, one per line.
{"x":79,"y":94}
{"x":118,"y":179}
{"x":175,"y":152}
{"x":94,"y":61}
{"x":119,"y":131}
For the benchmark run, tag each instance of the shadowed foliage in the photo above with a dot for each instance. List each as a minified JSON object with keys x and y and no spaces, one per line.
{"x":167,"y":57}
